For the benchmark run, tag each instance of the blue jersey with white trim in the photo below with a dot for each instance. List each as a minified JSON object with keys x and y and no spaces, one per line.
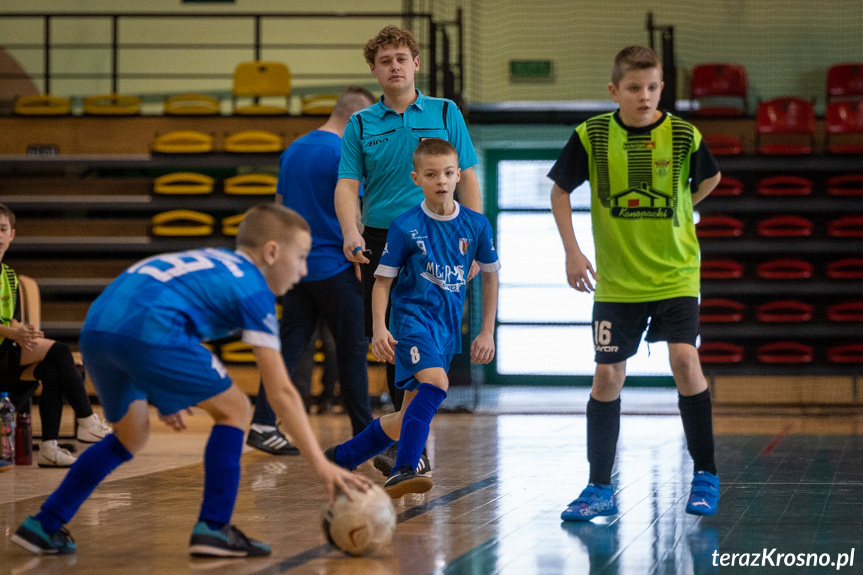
{"x":203,"y":294}
{"x":432,"y":255}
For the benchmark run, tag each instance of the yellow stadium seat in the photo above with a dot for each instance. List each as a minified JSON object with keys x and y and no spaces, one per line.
{"x":253,"y":141}
{"x":231,"y":225}
{"x":257,"y":80}
{"x":42,"y":105}
{"x":319,"y":104}
{"x":251,"y":185}
{"x":237,"y":352}
{"x":183,"y":183}
{"x":112,"y":105}
{"x":183,"y":142}
{"x":192,"y":105}
{"x":182,"y":223}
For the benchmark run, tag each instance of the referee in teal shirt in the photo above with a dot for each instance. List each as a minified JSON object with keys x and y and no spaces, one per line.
{"x":377,"y":149}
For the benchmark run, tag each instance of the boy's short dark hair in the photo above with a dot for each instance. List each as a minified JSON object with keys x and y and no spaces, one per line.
{"x":432,"y":147}
{"x":268,"y":221}
{"x":353,"y":99}
{"x":390,"y":36}
{"x":633,"y":58}
{"x":4,"y":211}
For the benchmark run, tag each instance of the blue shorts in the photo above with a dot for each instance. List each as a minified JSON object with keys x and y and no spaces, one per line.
{"x":414,"y":353}
{"x":124,"y":370}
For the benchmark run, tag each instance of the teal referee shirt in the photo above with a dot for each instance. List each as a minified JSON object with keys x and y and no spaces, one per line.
{"x":378,"y":146}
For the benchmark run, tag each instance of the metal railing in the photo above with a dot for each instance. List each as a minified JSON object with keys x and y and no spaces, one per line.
{"x":440,"y":75}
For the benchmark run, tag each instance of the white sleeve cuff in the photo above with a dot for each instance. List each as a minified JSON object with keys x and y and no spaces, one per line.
{"x":261,"y":339}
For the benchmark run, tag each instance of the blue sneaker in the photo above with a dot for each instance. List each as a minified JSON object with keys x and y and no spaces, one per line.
{"x":704,"y":494}
{"x":32,"y":537}
{"x":225,"y":542}
{"x":594,"y":501}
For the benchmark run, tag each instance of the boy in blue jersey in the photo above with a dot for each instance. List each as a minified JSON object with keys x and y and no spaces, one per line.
{"x":141,"y":341}
{"x":377,"y":151}
{"x":430,"y":248}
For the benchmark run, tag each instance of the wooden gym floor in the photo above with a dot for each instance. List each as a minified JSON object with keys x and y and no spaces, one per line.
{"x":793,"y":484}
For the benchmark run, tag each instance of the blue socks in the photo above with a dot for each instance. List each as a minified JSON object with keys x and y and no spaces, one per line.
{"x":94,"y":465}
{"x":415,"y":425}
{"x":365,"y":445}
{"x":221,"y":475}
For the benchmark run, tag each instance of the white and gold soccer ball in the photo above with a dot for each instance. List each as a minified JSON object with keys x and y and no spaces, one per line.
{"x":360,"y":526}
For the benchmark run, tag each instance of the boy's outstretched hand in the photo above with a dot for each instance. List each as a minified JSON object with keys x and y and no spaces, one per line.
{"x":337,"y":479}
{"x":482,"y":348}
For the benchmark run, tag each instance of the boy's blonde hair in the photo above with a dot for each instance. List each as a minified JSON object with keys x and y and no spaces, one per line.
{"x":4,"y":211}
{"x":633,"y":58}
{"x":432,"y":147}
{"x":267,"y":221}
{"x":390,"y":36}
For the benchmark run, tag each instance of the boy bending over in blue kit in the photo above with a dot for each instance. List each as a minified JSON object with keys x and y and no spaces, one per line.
{"x":142,"y":341}
{"x":430,"y":248}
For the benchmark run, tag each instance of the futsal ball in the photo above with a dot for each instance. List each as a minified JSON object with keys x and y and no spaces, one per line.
{"x":360,"y":526}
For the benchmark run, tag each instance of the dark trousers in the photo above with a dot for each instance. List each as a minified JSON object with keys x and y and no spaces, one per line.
{"x":338,"y":302}
{"x":376,"y":240}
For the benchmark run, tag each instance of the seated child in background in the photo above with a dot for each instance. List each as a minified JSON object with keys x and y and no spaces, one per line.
{"x":22,"y":345}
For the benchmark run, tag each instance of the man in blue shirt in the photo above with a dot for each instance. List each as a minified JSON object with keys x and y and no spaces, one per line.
{"x":376,"y":150}
{"x":331,"y":290}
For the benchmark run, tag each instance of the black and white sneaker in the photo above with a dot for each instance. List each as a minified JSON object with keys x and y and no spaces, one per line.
{"x":406,"y":480}
{"x":225,"y":542}
{"x":268,"y":438}
{"x":386,"y":460}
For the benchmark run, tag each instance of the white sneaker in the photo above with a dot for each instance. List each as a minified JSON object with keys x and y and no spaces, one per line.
{"x":92,"y":429}
{"x":52,"y":455}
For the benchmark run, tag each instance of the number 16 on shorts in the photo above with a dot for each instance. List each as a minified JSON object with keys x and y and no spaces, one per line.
{"x":601,"y":333}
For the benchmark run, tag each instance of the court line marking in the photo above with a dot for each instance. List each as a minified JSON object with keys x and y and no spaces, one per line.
{"x":777,"y":439}
{"x":323,"y":551}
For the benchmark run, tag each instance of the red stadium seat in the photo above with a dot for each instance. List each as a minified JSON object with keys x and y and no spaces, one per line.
{"x":785,"y":352}
{"x":789,"y":123}
{"x":721,"y":311}
{"x":847,"y":353}
{"x":784,"y":227}
{"x":720,"y":352}
{"x":728,"y":186}
{"x":845,"y":185}
{"x":723,"y":144}
{"x":846,"y":227}
{"x":784,"y":311}
{"x":719,"y":227}
{"x":719,"y":89}
{"x":846,"y":269}
{"x":846,"y":311}
{"x":784,"y":186}
{"x":784,"y":269}
{"x":721,"y":269}
{"x":845,"y":81}
{"x":844,"y":128}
